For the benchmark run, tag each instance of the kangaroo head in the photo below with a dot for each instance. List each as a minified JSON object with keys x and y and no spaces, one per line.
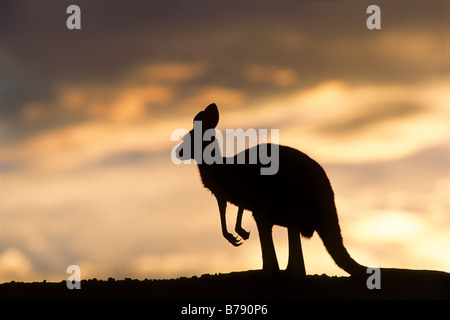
{"x":193,"y":140}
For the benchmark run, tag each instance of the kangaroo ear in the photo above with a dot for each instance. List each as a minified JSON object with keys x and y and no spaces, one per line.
{"x":210,"y":116}
{"x":199,"y":116}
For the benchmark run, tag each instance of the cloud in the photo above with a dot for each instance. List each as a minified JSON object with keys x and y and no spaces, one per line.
{"x":390,"y":211}
{"x":107,"y":219}
{"x":390,"y":226}
{"x":127,"y":99}
{"x":14,"y":265}
{"x":223,"y":96}
{"x":169,"y":72}
{"x":340,"y":122}
{"x":86,"y":120}
{"x":373,"y":115}
{"x":290,"y":37}
{"x":115,"y":220}
{"x":403,"y":237}
{"x":277,"y":76}
{"x":113,"y":175}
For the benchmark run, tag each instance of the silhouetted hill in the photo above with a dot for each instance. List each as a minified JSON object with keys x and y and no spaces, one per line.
{"x":249,"y":285}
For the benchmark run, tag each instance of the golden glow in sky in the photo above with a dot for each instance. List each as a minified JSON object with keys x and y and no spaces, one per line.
{"x":86,"y":118}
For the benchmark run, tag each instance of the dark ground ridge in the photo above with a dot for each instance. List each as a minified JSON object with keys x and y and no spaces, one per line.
{"x":396,"y":284}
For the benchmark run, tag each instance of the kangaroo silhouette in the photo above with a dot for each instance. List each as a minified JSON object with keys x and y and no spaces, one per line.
{"x":299,"y":197}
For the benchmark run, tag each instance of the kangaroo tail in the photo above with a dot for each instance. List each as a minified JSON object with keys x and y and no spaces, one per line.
{"x":330,"y":233}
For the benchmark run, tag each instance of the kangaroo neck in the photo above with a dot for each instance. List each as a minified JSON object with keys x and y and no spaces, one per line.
{"x":211,"y":164}
{"x":210,"y":174}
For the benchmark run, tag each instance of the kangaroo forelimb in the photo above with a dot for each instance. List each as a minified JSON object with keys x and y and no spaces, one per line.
{"x":235,"y":241}
{"x":241,"y":231}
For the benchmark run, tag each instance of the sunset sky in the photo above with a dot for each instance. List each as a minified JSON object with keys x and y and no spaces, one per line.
{"x":86,"y":118}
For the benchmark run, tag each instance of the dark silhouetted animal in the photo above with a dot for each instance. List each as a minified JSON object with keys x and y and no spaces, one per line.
{"x":299,"y":197}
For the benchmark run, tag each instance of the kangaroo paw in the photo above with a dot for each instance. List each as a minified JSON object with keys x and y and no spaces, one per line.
{"x":243,"y":233}
{"x":235,"y":241}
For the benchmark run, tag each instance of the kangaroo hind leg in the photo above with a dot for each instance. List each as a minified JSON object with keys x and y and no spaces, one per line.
{"x":296,"y":265}
{"x":269,"y":257}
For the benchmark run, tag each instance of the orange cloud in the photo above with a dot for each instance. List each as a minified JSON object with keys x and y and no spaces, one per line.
{"x":14,"y":265}
{"x":223,"y":96}
{"x":281,"y":77}
{"x":173,"y":72}
{"x":129,"y":99}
